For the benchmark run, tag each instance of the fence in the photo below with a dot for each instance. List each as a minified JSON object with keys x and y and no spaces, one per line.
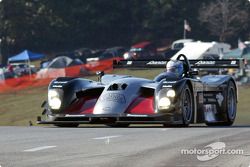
{"x":44,"y":76}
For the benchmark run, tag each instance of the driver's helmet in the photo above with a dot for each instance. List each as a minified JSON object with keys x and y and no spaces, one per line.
{"x":176,"y":67}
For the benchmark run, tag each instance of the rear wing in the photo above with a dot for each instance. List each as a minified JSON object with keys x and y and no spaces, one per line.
{"x":234,"y":63}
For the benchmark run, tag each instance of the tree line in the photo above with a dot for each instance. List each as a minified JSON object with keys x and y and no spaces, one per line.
{"x":60,"y":25}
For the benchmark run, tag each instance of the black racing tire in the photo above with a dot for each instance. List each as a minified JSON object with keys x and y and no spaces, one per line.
{"x":118,"y":125}
{"x":231,"y":104}
{"x":187,"y":106}
{"x":231,"y":107}
{"x":67,"y":125}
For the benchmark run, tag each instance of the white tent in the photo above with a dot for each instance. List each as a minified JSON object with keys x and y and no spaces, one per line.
{"x":56,"y":68}
{"x":196,"y":50}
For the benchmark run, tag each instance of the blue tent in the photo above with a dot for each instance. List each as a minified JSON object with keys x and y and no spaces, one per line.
{"x":26,"y":56}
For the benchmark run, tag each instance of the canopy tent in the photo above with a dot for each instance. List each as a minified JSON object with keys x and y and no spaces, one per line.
{"x":246,"y":56}
{"x":233,"y":54}
{"x":194,"y":50}
{"x":238,"y":53}
{"x":198,"y":50}
{"x":26,"y":55}
{"x":57,"y":67}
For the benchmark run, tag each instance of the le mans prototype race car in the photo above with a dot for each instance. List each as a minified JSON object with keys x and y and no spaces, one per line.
{"x":175,"y":97}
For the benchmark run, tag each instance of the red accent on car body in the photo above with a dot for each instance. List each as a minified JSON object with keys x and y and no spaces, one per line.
{"x":142,"y":105}
{"x":84,"y":105}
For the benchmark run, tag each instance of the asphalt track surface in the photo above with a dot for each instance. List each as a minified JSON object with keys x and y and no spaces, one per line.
{"x":118,"y":147}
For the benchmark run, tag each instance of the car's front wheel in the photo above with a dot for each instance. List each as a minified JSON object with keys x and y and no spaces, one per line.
{"x":186,"y":106}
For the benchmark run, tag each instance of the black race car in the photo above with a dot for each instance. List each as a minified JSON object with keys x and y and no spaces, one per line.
{"x":175,"y":97}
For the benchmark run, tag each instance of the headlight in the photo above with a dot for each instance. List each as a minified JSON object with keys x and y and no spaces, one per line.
{"x":171,"y":93}
{"x":54,"y":99}
{"x":126,"y":55}
{"x":52,"y":93}
{"x":164,"y":103}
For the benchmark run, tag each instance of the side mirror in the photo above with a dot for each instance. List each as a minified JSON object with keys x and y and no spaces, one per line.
{"x":195,"y":72}
{"x":100,"y":74}
{"x":43,"y":104}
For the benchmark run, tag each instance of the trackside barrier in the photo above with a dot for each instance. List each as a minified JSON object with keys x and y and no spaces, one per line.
{"x":44,"y":77}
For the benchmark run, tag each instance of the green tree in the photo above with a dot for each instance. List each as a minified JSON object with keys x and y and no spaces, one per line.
{"x":64,"y":25}
{"x":225,"y":18}
{"x":29,"y":24}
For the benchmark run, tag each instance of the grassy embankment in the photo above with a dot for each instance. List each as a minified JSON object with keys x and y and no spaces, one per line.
{"x":18,"y":108}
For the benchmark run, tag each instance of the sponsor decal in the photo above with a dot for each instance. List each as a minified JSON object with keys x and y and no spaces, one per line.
{"x":214,"y":98}
{"x":134,"y":115}
{"x":209,"y":95}
{"x":60,"y":82}
{"x":219,"y":98}
{"x":71,"y":115}
{"x":167,"y":86}
{"x":156,"y":63}
{"x":233,"y":62}
{"x":170,"y":82}
{"x":208,"y":100}
{"x":129,"y":62}
{"x":114,"y":97}
{"x":57,"y":86}
{"x":202,"y":62}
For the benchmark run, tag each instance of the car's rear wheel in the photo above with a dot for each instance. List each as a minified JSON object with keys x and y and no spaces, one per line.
{"x":231,"y":104}
{"x":231,"y":107}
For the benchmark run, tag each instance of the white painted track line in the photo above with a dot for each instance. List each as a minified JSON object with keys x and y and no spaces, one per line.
{"x":106,"y":137}
{"x":39,"y":148}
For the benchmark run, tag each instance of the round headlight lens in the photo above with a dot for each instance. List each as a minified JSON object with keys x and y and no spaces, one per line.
{"x":164,"y":103}
{"x":171,"y":93}
{"x":52,"y":93}
{"x":126,"y":55}
{"x":54,"y":99}
{"x":55,"y":103}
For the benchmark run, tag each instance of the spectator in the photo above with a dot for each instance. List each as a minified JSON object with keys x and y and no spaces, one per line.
{"x":10,"y":68}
